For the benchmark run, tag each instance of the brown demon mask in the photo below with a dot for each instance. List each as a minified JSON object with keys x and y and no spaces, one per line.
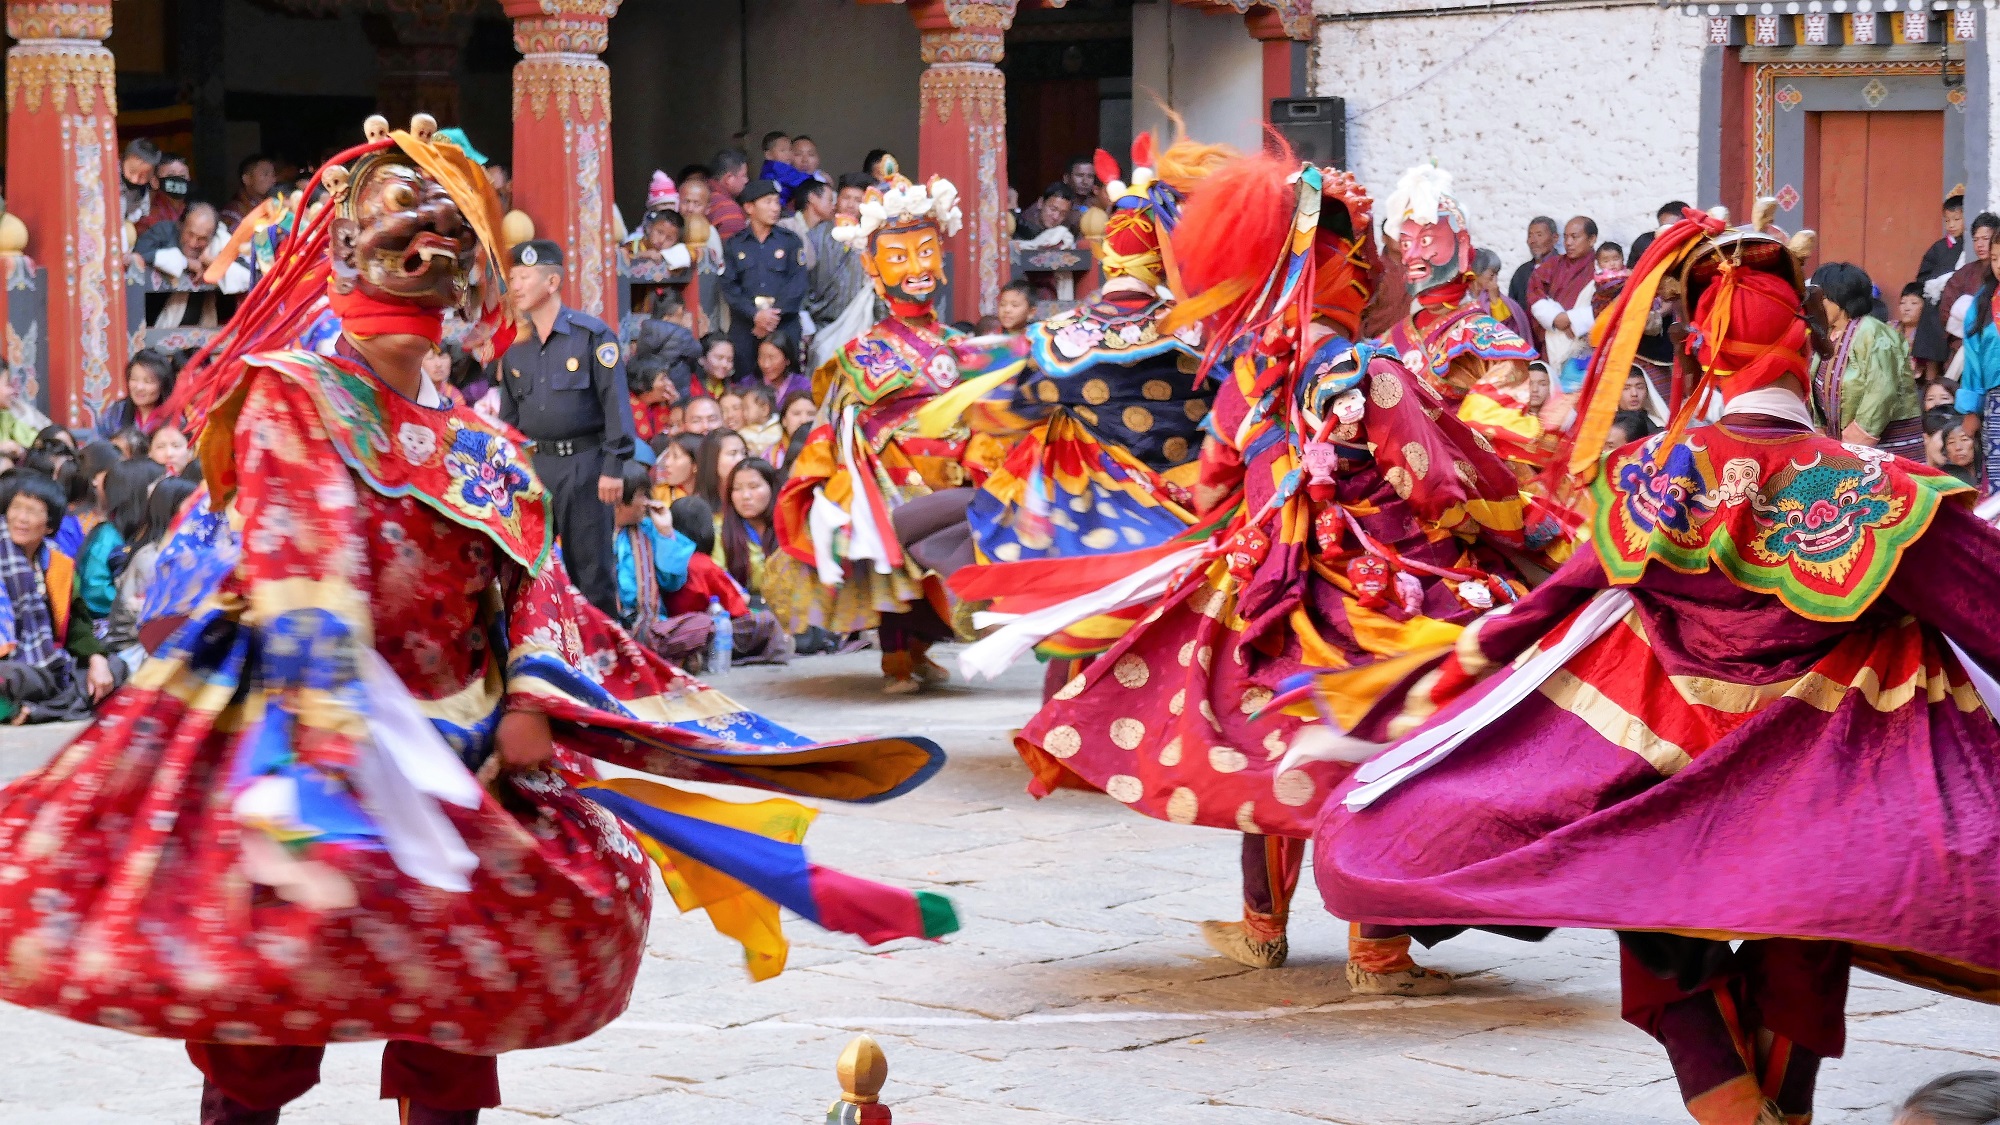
{"x":400,"y":237}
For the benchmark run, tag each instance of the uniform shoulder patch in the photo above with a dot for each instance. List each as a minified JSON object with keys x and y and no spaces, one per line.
{"x":607,"y":354}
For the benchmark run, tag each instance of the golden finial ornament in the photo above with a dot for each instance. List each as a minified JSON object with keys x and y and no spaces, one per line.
{"x":863,"y":1069}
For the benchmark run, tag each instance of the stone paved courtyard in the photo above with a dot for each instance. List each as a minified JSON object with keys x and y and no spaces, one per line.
{"x":1076,"y":992}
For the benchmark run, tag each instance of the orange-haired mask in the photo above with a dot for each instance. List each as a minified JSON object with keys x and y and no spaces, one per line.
{"x":1752,"y":330}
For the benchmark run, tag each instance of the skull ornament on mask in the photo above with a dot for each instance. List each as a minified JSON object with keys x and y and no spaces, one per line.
{"x":1247,"y":552}
{"x":1373,"y":579}
{"x":1320,"y":459}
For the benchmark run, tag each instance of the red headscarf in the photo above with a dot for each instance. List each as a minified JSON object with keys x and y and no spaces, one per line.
{"x":1753,"y":330}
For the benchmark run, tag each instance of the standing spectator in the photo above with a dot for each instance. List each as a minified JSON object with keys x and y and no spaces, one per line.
{"x":1080,"y":177}
{"x":1909,"y":315}
{"x":764,"y":277}
{"x":1668,"y":215}
{"x":1956,"y":297}
{"x":52,"y":666}
{"x":1555,"y":287}
{"x":1979,"y":379}
{"x":805,"y":157}
{"x":1934,"y":272}
{"x":563,"y":385}
{"x":695,"y":195}
{"x":729,"y":176}
{"x":502,"y":180}
{"x":779,"y":169}
{"x":839,"y":298}
{"x":255,"y":177}
{"x":175,"y":181}
{"x":1016,"y":308}
{"x":1054,"y":209}
{"x":149,"y":383}
{"x":140,"y":199}
{"x":1485,"y":288}
{"x":1863,"y":394}
{"x":816,"y":204}
{"x":1541,"y":243}
{"x":877,"y":165}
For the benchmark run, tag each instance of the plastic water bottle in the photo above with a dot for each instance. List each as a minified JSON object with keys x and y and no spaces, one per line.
{"x":722,"y":640}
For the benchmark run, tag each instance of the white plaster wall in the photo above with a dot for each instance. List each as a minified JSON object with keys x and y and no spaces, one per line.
{"x":844,"y":73}
{"x":1562,"y":112}
{"x":1202,"y":63}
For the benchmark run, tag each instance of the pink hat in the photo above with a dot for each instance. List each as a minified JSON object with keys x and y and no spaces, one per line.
{"x":662,"y":194}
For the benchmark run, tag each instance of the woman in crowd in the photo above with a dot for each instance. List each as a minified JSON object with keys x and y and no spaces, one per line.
{"x":652,"y":563}
{"x":1948,"y":447}
{"x":1863,"y":394}
{"x":795,"y":412}
{"x":777,"y":365}
{"x":721,"y":452}
{"x":744,"y":535}
{"x":149,"y":382}
{"x":718,"y":365}
{"x":121,"y":629}
{"x":106,"y":548}
{"x":731,"y":404}
{"x":52,"y":666}
{"x":675,"y":465}
{"x":170,"y":447}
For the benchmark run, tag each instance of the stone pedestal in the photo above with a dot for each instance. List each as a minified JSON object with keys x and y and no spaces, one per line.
{"x":562,"y":140}
{"x":62,"y":180}
{"x":962,"y":136}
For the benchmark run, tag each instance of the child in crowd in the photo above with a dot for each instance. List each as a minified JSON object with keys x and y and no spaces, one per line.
{"x":149,"y":382}
{"x":1909,"y":314}
{"x":52,"y":666}
{"x":19,"y":422}
{"x":1963,"y":1097}
{"x":732,"y":410}
{"x":721,"y":452}
{"x":86,"y":487}
{"x":652,"y":392}
{"x":674,"y":464}
{"x":702,"y":416}
{"x":761,"y":430}
{"x":121,"y":629}
{"x":1628,"y":426}
{"x":1017,"y":307}
{"x":170,"y":447}
{"x":652,"y":562}
{"x":106,"y":549}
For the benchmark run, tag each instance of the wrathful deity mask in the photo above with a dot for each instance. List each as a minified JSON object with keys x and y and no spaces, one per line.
{"x":403,"y":238}
{"x":1434,"y":254}
{"x":907,"y":266}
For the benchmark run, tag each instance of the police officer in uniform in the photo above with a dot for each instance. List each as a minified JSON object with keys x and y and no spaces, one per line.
{"x":764,"y":278}
{"x":563,"y":385}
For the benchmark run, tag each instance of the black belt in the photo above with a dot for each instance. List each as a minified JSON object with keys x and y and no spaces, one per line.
{"x":567,"y":447}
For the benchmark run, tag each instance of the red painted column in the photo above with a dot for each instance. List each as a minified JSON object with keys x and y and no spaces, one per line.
{"x":562,"y":140}
{"x":62,"y":180}
{"x":962,"y":136}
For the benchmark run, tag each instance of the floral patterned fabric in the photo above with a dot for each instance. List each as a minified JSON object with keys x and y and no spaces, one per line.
{"x":126,"y":899}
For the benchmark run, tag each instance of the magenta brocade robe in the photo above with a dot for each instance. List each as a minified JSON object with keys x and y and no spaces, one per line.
{"x":1717,"y":763}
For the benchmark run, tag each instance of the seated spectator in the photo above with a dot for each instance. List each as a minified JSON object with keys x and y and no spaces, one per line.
{"x":121,"y":628}
{"x":988,"y":325}
{"x":149,"y":383}
{"x":1628,"y":426}
{"x":1963,"y":1097}
{"x":667,"y":336}
{"x":130,"y":442}
{"x":652,"y":392}
{"x":731,"y":403}
{"x":137,"y":182}
{"x":877,"y":165}
{"x":256,"y":176}
{"x":179,"y":254}
{"x":674,"y":466}
{"x":52,"y":436}
{"x":106,"y":549}
{"x":1948,"y":447}
{"x":805,"y":157}
{"x":52,"y":666}
{"x":707,"y":580}
{"x":170,"y":203}
{"x":744,"y":538}
{"x":718,"y":365}
{"x":1051,"y":211}
{"x":652,"y":561}
{"x":1939,"y":392}
{"x":795,"y":416}
{"x":170,"y":447}
{"x":703,"y":415}
{"x":777,"y":366}
{"x":86,"y":485}
{"x":1016,"y":307}
{"x":721,"y":452}
{"x":760,"y":428}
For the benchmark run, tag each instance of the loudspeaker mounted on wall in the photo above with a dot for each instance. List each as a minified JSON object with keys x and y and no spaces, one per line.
{"x":1316,"y":128}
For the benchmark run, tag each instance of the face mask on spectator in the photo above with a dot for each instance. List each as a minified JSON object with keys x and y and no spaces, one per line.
{"x":176,"y":186}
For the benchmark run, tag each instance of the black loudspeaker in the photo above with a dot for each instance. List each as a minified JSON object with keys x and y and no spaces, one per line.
{"x":1316,"y":128}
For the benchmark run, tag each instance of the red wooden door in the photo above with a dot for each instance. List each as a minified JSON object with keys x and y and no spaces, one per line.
{"x":1878,"y":184}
